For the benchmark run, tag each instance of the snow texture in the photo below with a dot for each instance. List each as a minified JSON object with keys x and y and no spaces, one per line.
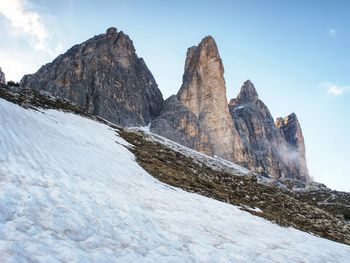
{"x":71,"y":192}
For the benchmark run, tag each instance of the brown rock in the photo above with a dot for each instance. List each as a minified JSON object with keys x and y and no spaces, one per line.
{"x":104,"y":76}
{"x":243,"y":131}
{"x":293,"y":135}
{"x":198,"y":116}
{"x":2,"y":77}
{"x":267,"y":149}
{"x":179,"y":124}
{"x":203,"y":92}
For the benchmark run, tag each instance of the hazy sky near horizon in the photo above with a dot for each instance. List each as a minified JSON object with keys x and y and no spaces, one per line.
{"x":295,"y":52}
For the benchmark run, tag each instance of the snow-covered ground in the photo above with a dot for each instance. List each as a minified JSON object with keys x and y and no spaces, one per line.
{"x":71,"y":192}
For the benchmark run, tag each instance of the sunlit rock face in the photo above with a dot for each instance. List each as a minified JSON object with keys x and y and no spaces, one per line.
{"x":203,"y":95}
{"x":179,"y":124}
{"x":2,"y":77}
{"x":242,"y":131}
{"x":105,"y":76}
{"x":267,"y":148}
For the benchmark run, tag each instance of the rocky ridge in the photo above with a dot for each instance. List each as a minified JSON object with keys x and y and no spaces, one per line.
{"x":242,"y":131}
{"x":269,"y":150}
{"x":104,"y":76}
{"x":203,"y":95}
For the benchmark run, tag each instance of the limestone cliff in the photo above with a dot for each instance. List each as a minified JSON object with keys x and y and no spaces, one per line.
{"x":243,"y":131}
{"x":105,"y":76}
{"x":2,"y":77}
{"x":267,"y":149}
{"x":179,"y":124}
{"x":293,"y":135}
{"x":203,"y":95}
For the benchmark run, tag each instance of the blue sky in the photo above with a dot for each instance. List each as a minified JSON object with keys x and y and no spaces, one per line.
{"x":295,"y":52}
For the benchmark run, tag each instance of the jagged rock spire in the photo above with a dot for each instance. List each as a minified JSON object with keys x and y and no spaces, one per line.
{"x":203,"y":92}
{"x":2,"y":77}
{"x":292,"y":132}
{"x":111,"y":31}
{"x":248,"y":93}
{"x":270,"y":148}
{"x":291,"y":128}
{"x":203,"y":77}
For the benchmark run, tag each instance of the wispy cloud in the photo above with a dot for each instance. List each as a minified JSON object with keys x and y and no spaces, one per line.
{"x":28,"y":22}
{"x":332,"y":32}
{"x":334,"y":89}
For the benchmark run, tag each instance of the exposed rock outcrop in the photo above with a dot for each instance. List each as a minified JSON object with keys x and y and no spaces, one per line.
{"x":2,"y":77}
{"x":291,"y":129}
{"x":244,"y":131}
{"x":179,"y":124}
{"x":267,"y":149}
{"x":105,"y":76}
{"x":203,"y":95}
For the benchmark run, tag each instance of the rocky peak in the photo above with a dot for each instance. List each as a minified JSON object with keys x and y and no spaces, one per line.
{"x":248,"y":94}
{"x":200,"y":116}
{"x":2,"y":77}
{"x":111,"y":31}
{"x":270,"y":147}
{"x":203,"y":92}
{"x":291,"y":129}
{"x":106,"y":77}
{"x":203,"y":76}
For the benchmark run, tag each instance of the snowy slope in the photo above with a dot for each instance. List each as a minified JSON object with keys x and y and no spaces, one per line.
{"x":71,"y":192}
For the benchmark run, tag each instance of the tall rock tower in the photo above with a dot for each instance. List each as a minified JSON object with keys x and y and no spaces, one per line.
{"x":293,"y":135}
{"x":242,"y":131}
{"x":271,"y":149}
{"x":203,"y":91}
{"x":203,"y":95}
{"x":2,"y":77}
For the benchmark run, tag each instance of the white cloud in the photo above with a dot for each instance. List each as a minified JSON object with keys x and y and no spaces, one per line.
{"x":25,"y":42}
{"x":26,"y":21}
{"x":332,"y":32}
{"x":334,"y":89}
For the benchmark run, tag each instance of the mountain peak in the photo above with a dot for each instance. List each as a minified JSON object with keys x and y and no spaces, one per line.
{"x":203,"y":92}
{"x":203,"y":63}
{"x":111,"y":31}
{"x":2,"y":77}
{"x":248,"y":92}
{"x":291,"y":119}
{"x":105,"y":76}
{"x":291,"y":129}
{"x":208,"y":40}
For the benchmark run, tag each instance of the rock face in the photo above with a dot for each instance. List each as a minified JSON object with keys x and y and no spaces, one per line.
{"x":204,"y":118}
{"x":268,"y":149}
{"x":105,"y":76}
{"x":244,"y":131}
{"x":291,"y":129}
{"x":2,"y":77}
{"x":179,"y":124}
